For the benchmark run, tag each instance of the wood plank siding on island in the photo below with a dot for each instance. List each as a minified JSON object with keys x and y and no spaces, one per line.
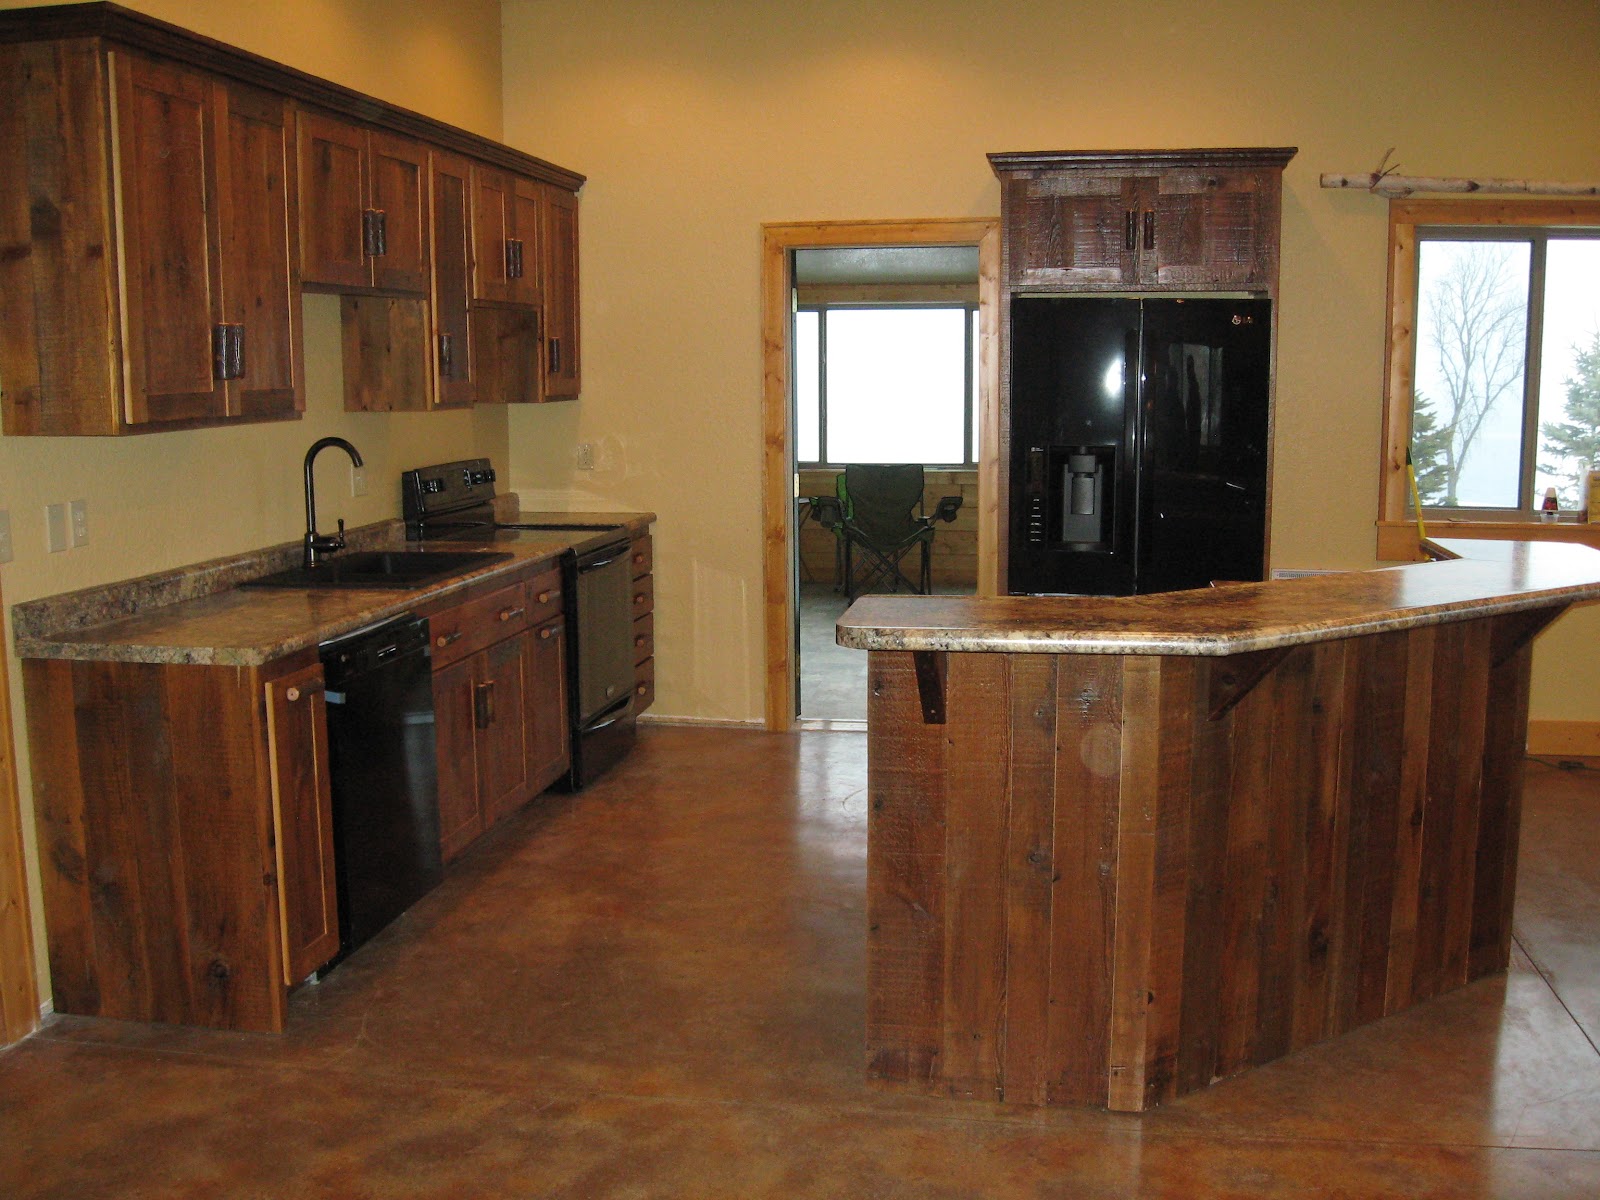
{"x":1120,"y":848}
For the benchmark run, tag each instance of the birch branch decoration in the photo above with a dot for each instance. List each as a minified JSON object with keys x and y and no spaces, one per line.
{"x":1387,"y":182}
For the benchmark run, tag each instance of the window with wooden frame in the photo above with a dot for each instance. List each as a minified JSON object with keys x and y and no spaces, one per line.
{"x":886,"y":383}
{"x":1493,"y":380}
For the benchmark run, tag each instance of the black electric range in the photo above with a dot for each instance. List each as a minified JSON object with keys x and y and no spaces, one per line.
{"x":456,"y":502}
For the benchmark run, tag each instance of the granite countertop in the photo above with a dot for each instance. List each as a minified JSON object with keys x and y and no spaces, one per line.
{"x":199,"y":614}
{"x":1478,"y":579}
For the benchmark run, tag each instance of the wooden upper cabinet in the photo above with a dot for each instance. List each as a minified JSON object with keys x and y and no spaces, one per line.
{"x":260,"y":287}
{"x":163,"y":293}
{"x":1194,"y":220}
{"x":505,"y":235}
{"x":451,"y":345}
{"x":558,"y":256}
{"x":166,"y":122}
{"x":164,"y":198}
{"x":364,"y":207}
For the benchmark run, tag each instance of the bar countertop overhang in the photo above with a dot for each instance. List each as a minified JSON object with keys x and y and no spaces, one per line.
{"x":1476,"y":578}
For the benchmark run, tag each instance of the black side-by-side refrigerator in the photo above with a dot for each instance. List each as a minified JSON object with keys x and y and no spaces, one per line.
{"x":1139,"y":443}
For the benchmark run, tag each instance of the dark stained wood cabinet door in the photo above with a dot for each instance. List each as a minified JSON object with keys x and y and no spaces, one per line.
{"x":261,"y":286}
{"x":452,"y":351}
{"x":397,"y":192}
{"x":169,"y":240}
{"x":460,"y":817}
{"x":558,"y":260}
{"x":499,"y":700}
{"x":507,"y":356}
{"x":493,"y":217}
{"x":302,"y":816}
{"x":527,"y":279}
{"x":546,"y":705}
{"x":1209,"y":230}
{"x":1072,"y":230}
{"x":333,"y":202}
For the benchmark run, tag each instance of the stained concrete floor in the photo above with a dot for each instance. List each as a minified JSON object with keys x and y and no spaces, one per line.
{"x":655,"y":989}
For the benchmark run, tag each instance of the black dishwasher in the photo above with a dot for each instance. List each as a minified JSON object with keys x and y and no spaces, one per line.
{"x":382,"y":762}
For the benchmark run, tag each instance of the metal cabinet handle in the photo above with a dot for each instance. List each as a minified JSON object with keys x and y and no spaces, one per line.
{"x":544,"y":597}
{"x":447,"y":356}
{"x":1150,"y":229}
{"x":445,"y":639}
{"x":555,"y":356}
{"x":640,"y":690}
{"x":639,"y":598}
{"x":374,"y":233}
{"x":513,"y":258}
{"x":638,"y":559}
{"x":293,"y":694}
{"x":510,"y":614}
{"x":227,"y":351}
{"x":1130,"y":228}
{"x":548,"y":632}
{"x":483,"y":704}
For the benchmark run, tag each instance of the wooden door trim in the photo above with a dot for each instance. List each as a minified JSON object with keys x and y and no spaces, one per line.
{"x":778,"y":526}
{"x":19,"y":985}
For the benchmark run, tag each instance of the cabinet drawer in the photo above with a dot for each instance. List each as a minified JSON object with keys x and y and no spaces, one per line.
{"x":459,"y":631}
{"x":644,"y":637}
{"x":644,"y":596}
{"x":642,"y":556}
{"x":644,"y":685}
{"x":544,"y":596}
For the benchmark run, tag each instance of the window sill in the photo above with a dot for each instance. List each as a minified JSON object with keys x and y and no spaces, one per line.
{"x":1397,"y":540}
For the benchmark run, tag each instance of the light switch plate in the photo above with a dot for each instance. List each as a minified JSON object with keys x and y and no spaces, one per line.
{"x":78,"y":514}
{"x":5,"y":535}
{"x":358,"y":481}
{"x":585,"y":456}
{"x":55,"y":527}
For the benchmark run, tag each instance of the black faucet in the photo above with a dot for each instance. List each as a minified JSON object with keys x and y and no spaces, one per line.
{"x":316,"y":543}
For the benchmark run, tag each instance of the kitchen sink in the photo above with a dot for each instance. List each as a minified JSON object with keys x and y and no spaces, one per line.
{"x":380,"y":569}
{"x":601,"y":528}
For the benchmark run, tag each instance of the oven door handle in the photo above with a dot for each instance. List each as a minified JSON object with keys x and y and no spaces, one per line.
{"x":585,"y":567}
{"x":626,"y":711}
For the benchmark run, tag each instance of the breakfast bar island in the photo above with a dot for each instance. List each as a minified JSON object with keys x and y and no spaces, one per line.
{"x":1120,"y":848}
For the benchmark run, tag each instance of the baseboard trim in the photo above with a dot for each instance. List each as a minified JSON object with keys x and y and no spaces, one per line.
{"x":702,"y":722}
{"x":1581,"y":738}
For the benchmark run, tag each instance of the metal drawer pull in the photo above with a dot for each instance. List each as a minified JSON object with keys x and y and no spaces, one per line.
{"x":483,"y":704}
{"x":549,"y":631}
{"x":292,"y":695}
{"x":544,"y":597}
{"x":640,"y":689}
{"x":639,"y":641}
{"x":639,"y":598}
{"x":509,"y":614}
{"x":638,"y":559}
{"x":1130,"y":232}
{"x":444,"y":639}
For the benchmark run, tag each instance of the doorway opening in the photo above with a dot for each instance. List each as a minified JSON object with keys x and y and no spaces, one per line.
{"x":879,"y":342}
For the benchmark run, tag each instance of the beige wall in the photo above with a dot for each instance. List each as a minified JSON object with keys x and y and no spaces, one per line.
{"x":162,"y":500}
{"x":698,"y":121}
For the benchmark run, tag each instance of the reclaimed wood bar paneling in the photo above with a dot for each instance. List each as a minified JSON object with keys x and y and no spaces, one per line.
{"x":1112,"y":879}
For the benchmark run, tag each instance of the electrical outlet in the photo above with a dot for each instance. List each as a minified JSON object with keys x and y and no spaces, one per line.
{"x":5,"y":535}
{"x":358,"y":481}
{"x":55,"y":527}
{"x":78,"y":514}
{"x":585,"y":456}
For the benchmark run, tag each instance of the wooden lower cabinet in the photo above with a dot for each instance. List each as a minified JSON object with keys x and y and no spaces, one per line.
{"x":644,"y":624}
{"x":500,"y":711}
{"x":185,"y":837}
{"x":302,"y":820}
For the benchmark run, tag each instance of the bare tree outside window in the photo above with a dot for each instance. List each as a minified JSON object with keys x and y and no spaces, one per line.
{"x":1472,"y":340}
